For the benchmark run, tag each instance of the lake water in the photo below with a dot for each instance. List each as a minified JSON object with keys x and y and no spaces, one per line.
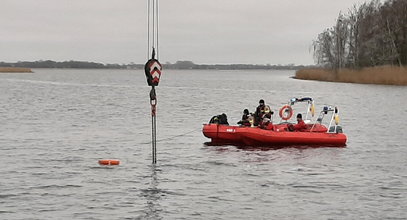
{"x":56,"y":125}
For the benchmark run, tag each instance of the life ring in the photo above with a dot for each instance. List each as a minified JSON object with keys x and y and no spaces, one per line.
{"x":109,"y":162}
{"x":285,"y":109}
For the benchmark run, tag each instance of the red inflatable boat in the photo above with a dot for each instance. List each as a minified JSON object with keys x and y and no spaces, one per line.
{"x":254,"y":136}
{"x":316,"y":134}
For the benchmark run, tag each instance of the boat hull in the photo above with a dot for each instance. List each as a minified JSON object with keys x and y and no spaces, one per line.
{"x":250,"y":136}
{"x":222,"y":134}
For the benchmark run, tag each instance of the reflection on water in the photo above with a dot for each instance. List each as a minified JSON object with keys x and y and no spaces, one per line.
{"x":152,"y":197}
{"x":266,"y":148}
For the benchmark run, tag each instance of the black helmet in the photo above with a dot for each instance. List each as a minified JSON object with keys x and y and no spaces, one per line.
{"x":246,"y":111}
{"x":261,"y":101}
{"x":299,"y":115}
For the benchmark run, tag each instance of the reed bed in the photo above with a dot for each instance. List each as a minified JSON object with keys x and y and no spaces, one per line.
{"x":386,"y":75}
{"x":15,"y":70}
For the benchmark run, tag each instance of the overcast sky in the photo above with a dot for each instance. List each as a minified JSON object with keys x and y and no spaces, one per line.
{"x":203,"y":31}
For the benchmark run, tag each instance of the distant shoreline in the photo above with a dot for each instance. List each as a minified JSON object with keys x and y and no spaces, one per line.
{"x":180,"y":65}
{"x":15,"y":70}
{"x":382,"y":75}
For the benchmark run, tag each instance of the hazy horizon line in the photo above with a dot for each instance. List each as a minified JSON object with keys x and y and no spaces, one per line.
{"x":164,"y":63}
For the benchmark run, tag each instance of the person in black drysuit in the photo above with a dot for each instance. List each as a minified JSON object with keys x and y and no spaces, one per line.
{"x":261,"y":110}
{"x":245,"y":119}
{"x":219,"y":119}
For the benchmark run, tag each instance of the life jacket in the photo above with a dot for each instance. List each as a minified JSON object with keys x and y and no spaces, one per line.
{"x":262,"y":110}
{"x":266,"y":109}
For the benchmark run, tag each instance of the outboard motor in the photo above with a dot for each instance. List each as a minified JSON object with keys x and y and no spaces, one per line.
{"x":335,"y":129}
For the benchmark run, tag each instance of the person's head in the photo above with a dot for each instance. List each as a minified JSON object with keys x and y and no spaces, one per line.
{"x":299,"y":117}
{"x":246,"y":111}
{"x":261,"y":102}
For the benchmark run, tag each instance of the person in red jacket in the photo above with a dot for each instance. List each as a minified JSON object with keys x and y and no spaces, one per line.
{"x":300,"y":126}
{"x":266,"y":123}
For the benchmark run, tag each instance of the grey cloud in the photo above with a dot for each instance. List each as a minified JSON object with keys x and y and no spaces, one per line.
{"x":227,"y":31}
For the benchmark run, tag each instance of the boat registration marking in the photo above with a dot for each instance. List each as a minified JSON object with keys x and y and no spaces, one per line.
{"x":230,"y":130}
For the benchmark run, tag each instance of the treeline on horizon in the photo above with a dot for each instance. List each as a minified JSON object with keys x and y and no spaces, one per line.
{"x":176,"y":65}
{"x":372,"y":34}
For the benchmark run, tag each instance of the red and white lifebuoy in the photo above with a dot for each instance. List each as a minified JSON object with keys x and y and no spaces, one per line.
{"x":286,"y":112}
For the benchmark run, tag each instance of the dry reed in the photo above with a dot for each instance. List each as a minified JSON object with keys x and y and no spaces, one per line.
{"x":15,"y":70}
{"x":387,"y":75}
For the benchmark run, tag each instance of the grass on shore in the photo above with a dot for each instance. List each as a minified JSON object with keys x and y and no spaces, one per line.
{"x":386,"y":75}
{"x":15,"y":70}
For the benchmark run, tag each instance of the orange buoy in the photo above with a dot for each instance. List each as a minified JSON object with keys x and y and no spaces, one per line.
{"x":109,"y":162}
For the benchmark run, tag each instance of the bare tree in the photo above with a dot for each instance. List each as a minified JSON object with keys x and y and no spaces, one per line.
{"x":369,"y":35}
{"x":323,"y":48}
